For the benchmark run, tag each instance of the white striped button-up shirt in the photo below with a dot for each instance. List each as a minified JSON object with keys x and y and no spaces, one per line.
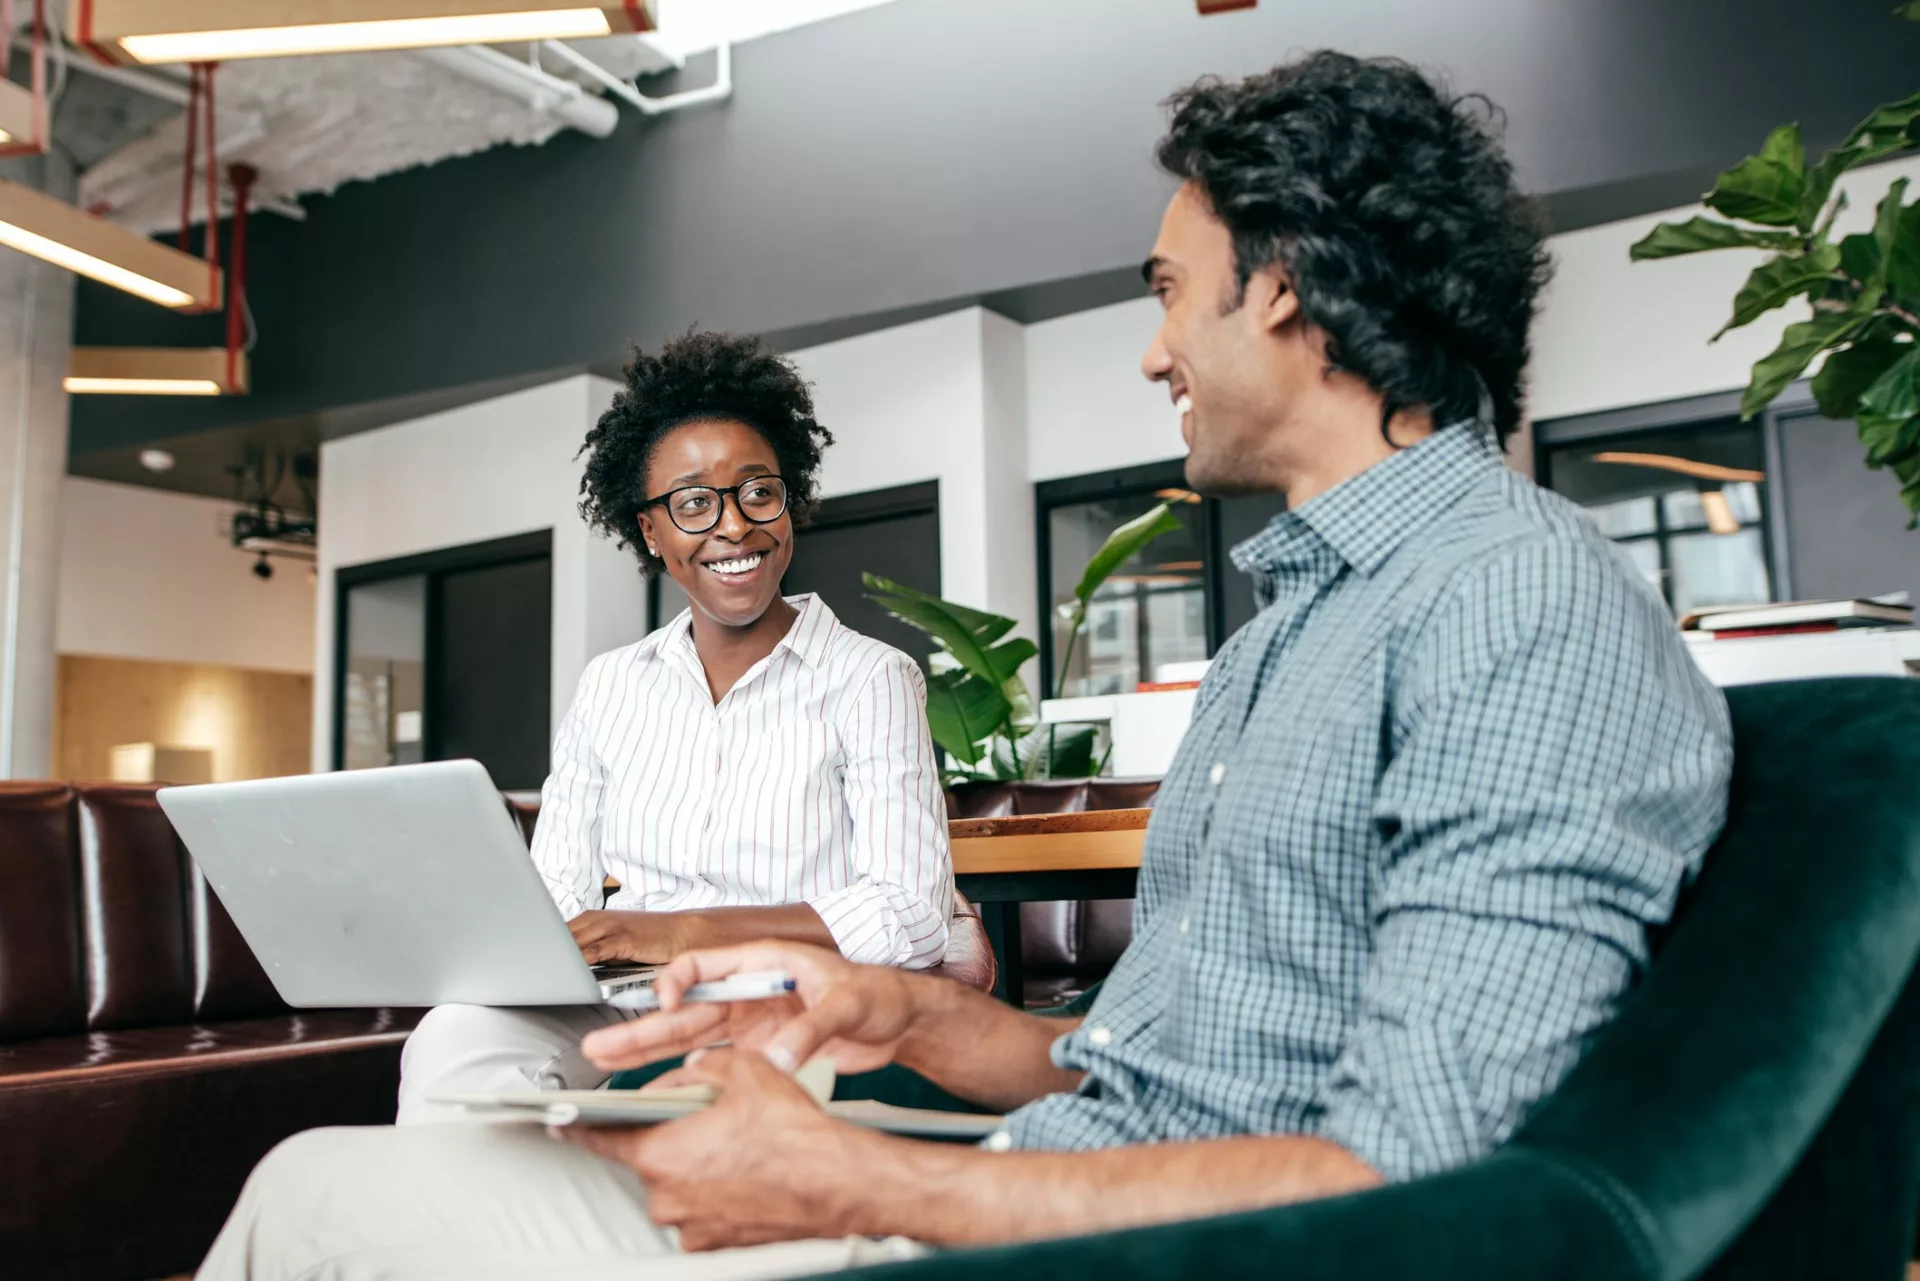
{"x":813,"y":780}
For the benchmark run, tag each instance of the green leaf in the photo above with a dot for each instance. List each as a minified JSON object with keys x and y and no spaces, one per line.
{"x":1051,"y":751}
{"x":963,"y":711}
{"x":1778,"y":281}
{"x":1889,"y":441}
{"x":1768,"y":188}
{"x":1860,"y":256}
{"x":1895,"y":394}
{"x":1798,"y":346}
{"x":1909,"y":11}
{"x":1903,"y":271}
{"x":1006,"y":657}
{"x":987,"y":627}
{"x":1886,"y":231}
{"x":1822,"y":178}
{"x":1887,"y":130}
{"x":1700,"y":235}
{"x":1122,"y":545}
{"x":1848,"y":373}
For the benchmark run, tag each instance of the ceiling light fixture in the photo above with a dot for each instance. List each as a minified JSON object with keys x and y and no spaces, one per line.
{"x":19,"y":115}
{"x":155,"y":371}
{"x":1720,"y":517}
{"x":157,"y":461}
{"x":37,"y":224}
{"x":1685,"y":466}
{"x":157,"y":31}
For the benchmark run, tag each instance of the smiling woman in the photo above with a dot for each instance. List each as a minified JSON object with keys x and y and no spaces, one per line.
{"x":752,"y":770}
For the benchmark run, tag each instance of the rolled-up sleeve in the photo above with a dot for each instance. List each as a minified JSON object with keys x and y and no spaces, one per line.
{"x":566,"y":840}
{"x":1557,"y":772}
{"x":894,"y":910}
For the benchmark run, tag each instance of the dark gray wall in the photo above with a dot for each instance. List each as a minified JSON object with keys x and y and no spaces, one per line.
{"x":1847,"y":530}
{"x":933,"y":151}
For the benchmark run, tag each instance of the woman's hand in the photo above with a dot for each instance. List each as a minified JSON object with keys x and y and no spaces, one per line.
{"x":854,"y":1015}
{"x":650,"y":938}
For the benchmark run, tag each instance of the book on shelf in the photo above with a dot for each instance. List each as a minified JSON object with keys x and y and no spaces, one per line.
{"x":1790,"y":617}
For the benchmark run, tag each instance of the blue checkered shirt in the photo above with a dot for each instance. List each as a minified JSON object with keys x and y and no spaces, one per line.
{"x":1404,"y":865}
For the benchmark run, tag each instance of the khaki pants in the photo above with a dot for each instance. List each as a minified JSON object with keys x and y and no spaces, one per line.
{"x":473,"y":1202}
{"x":477,"y":1049}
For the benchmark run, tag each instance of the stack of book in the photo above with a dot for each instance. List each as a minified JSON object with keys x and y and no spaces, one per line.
{"x":1791,"y":618}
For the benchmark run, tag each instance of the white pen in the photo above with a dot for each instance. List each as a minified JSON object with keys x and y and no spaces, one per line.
{"x":761,"y":985}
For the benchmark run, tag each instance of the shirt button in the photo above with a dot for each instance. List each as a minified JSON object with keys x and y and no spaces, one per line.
{"x":998,"y":1141}
{"x":1219,"y":773}
{"x":1185,"y":924}
{"x":1100,"y":1037}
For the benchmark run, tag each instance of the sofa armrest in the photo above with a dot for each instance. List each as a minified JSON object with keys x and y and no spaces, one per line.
{"x":1513,"y":1217}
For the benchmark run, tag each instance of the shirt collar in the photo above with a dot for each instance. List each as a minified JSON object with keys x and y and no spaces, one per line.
{"x":807,"y":638}
{"x":1364,"y":518}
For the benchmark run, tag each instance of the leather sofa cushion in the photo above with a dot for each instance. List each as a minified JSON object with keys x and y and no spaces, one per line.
{"x":1050,"y":796}
{"x":42,"y":989}
{"x":197,"y":1047}
{"x":126,"y":1168}
{"x":133,"y":877}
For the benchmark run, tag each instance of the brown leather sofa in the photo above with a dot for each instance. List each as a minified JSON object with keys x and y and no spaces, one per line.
{"x":145,"y":1062}
{"x":1065,"y":947}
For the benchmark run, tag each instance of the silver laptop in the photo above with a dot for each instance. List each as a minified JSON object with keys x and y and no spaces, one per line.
{"x":403,"y":886}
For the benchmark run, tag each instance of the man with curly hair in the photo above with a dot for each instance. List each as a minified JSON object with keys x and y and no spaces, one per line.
{"x":1402,"y":871}
{"x":752,"y":770}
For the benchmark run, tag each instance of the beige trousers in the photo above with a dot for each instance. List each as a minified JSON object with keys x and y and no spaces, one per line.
{"x":477,"y":1049}
{"x":471,"y":1202}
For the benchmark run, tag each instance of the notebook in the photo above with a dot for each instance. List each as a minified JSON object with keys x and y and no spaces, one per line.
{"x":654,"y":1105}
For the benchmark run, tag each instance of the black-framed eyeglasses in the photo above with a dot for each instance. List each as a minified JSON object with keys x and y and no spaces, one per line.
{"x":695,"y":509}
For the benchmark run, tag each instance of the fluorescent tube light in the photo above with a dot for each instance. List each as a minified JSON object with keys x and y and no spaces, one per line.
{"x":168,"y":31}
{"x":154,"y":371}
{"x":101,"y":270}
{"x":142,"y":386}
{"x":35,"y":223}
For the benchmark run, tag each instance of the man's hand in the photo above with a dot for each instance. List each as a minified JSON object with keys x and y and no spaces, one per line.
{"x":854,"y":1015}
{"x":762,"y":1164}
{"x":650,"y":938}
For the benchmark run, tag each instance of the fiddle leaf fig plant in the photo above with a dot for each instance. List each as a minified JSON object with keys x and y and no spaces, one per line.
{"x":980,"y":711}
{"x":1863,"y":289}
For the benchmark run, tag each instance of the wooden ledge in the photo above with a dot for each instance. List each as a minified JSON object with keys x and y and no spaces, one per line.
{"x":1091,"y":841}
{"x":967,"y":829}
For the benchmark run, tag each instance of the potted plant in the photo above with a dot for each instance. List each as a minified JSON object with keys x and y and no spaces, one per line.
{"x":1864,"y":289}
{"x":980,"y":710}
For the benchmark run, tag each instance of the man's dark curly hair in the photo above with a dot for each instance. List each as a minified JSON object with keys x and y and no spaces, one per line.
{"x":695,"y":378}
{"x":1391,"y":209}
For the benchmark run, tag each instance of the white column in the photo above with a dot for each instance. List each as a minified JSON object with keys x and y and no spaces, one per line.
{"x":36,"y":337}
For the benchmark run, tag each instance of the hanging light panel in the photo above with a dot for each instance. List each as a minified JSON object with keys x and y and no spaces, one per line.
{"x":36,"y":223}
{"x":156,"y":31}
{"x":18,"y":114}
{"x":156,"y":371}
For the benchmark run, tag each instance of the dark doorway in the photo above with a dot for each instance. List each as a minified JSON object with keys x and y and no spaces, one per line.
{"x":490,"y":639}
{"x":448,"y":656}
{"x":891,"y":532}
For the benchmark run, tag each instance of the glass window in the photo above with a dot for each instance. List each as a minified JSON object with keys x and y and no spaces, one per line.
{"x":1687,"y":505}
{"x":385,"y":673}
{"x":1151,"y":612}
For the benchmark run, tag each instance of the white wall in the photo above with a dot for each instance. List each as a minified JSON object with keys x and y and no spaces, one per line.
{"x":469,"y":475}
{"x":941,"y":400}
{"x":147,"y":574}
{"x":1088,"y":407}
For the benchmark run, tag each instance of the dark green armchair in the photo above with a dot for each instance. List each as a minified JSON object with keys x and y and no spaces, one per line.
{"x":1753,"y":1113}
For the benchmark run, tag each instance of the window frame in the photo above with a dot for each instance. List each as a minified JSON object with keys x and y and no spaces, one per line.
{"x":1139,"y":481}
{"x":1680,"y":413}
